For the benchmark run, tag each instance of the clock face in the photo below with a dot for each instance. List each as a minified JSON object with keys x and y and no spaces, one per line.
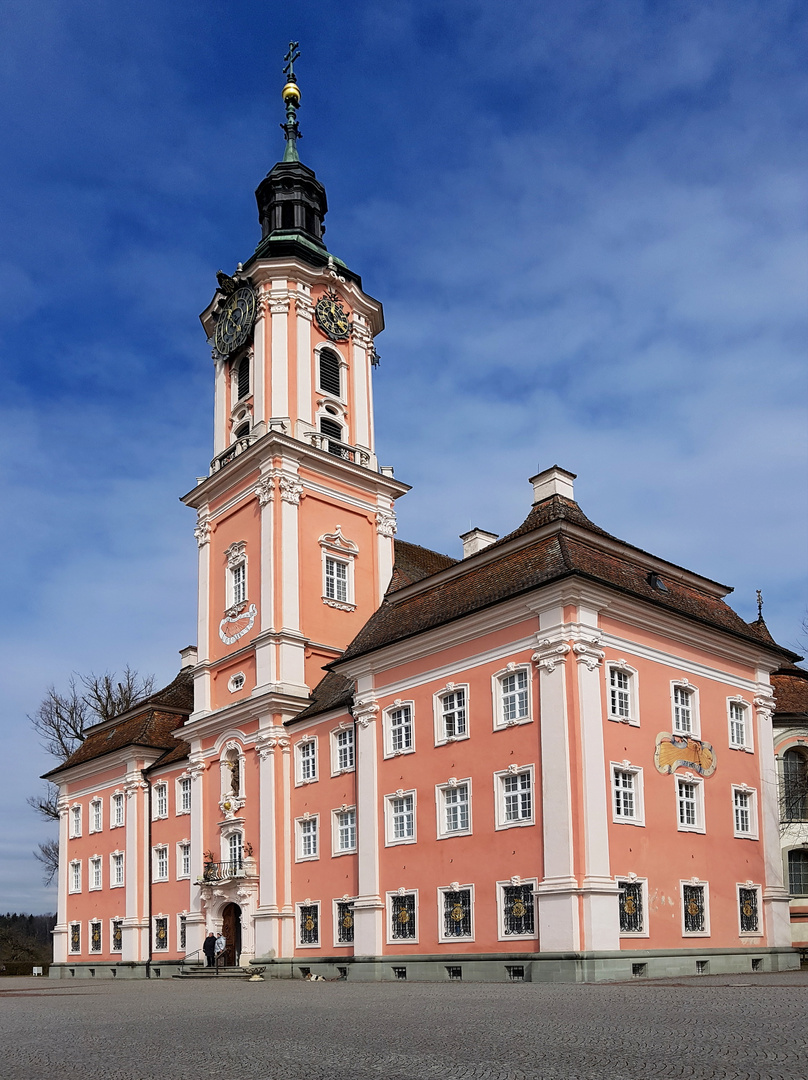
{"x":235,"y":321}
{"x":332,"y":317}
{"x":232,"y":627}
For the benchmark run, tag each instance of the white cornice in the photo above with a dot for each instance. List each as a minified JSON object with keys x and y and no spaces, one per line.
{"x":124,"y":757}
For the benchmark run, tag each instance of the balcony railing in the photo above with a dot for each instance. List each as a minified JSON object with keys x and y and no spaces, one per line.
{"x":233,"y":451}
{"x":338,"y":449}
{"x":226,"y":871}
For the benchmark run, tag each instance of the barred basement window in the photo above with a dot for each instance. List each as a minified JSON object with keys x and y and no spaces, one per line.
{"x":402,"y":917}
{"x":631,"y":907}
{"x":455,"y":973}
{"x":330,"y":372}
{"x":400,"y":973}
{"x":309,"y":924}
{"x":75,"y":937}
{"x":693,"y":900}
{"x":95,"y":937}
{"x":457,"y":913}
{"x":516,"y":972}
{"x":748,"y":905}
{"x":117,"y":935}
{"x":518,"y":911}
{"x":183,"y":932}
{"x":345,"y":924}
{"x":161,"y":933}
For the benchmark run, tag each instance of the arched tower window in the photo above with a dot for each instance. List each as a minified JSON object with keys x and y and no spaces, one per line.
{"x":242,"y":431}
{"x":333,"y":430}
{"x":330,"y":380}
{"x":243,"y":378}
{"x":798,"y":872}
{"x":795,"y":786}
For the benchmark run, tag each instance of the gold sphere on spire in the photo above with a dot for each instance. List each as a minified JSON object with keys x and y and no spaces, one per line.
{"x":291,"y":92}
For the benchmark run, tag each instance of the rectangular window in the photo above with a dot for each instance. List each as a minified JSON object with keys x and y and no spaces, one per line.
{"x":695,"y":909}
{"x":307,"y":761}
{"x":689,"y":805}
{"x":184,"y":861}
{"x":402,"y":917}
{"x":631,"y":906}
{"x":456,"y":817}
{"x":75,"y":821}
{"x":116,"y":875}
{"x":400,"y":818}
{"x":345,"y":923}
{"x":743,"y":812}
{"x":400,"y":729}
{"x":183,"y":932}
{"x":748,"y":910}
{"x":75,"y":876}
{"x":619,"y":694}
{"x":798,"y":872}
{"x":345,"y":749}
{"x":309,"y":924}
{"x":184,"y":795}
{"x":738,"y":726}
{"x":518,"y":911}
{"x":75,"y":937}
{"x":117,"y":810}
{"x":682,"y":709}
{"x":456,"y":914}
{"x":95,"y":936}
{"x":95,"y":815}
{"x":453,"y":714}
{"x":513,"y":689}
{"x":336,"y":580}
{"x":517,"y":797}
{"x":627,"y":800}
{"x":117,"y":935}
{"x":238,"y":580}
{"x":95,"y":873}
{"x":346,"y":830}
{"x":161,"y":933}
{"x":160,"y":800}
{"x":307,"y":838}
{"x":160,"y":864}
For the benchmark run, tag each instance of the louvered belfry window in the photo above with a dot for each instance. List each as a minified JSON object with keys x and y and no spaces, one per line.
{"x":330,"y":373}
{"x":243,"y":378}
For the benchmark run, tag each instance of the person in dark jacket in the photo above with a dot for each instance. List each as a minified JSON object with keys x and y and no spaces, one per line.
{"x":209,"y":949}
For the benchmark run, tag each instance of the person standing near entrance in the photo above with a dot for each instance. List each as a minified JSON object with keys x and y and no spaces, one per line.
{"x":221,"y":945}
{"x":209,"y":949}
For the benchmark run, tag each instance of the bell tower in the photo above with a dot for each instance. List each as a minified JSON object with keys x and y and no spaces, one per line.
{"x":295,"y":520}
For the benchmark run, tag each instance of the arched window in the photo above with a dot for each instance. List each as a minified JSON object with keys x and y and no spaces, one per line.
{"x":330,"y":380}
{"x":242,"y":431}
{"x":243,"y":378}
{"x":798,"y":872}
{"x":795,"y":786}
{"x":236,"y":850}
{"x":333,"y":430}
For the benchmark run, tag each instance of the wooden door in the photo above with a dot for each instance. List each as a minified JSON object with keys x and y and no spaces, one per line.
{"x":231,"y":928}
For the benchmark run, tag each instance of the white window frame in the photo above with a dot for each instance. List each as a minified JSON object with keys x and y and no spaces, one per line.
{"x":181,"y":872}
{"x":337,"y":578}
{"x":643,"y":883}
{"x":183,"y":785}
{"x":306,"y":741}
{"x":638,"y":790}
{"x":500,"y":794}
{"x":312,"y":820}
{"x":693,"y":694}
{"x":746,"y":934}
{"x":155,"y":920}
{"x":388,"y":918}
{"x":113,"y":857}
{"x":160,"y":794}
{"x":633,"y":718}
{"x":161,"y":848}
{"x":75,"y":820}
{"x":704,"y":885}
{"x":746,"y":743}
{"x":237,"y":581}
{"x":70,"y":949}
{"x":345,"y":728}
{"x":329,"y":346}
{"x":751,"y":794}
{"x":390,"y":840}
{"x":456,"y":886}
{"x":117,"y":799}
{"x":318,"y":944}
{"x":112,"y":921}
{"x":96,"y":823}
{"x":533,"y":884}
{"x":95,"y":870}
{"x":339,"y":549}
{"x":336,"y":850}
{"x":441,"y":738}
{"x":397,"y":706}
{"x":498,"y":696}
{"x":698,"y":782}
{"x":91,"y":951}
{"x":74,"y":876}
{"x":441,"y":791}
{"x":349,"y":900}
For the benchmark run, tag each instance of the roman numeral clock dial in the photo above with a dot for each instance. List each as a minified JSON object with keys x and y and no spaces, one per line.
{"x":332,"y":317}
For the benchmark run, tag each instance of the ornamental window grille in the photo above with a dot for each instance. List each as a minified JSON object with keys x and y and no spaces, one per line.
{"x":402,"y":809}
{"x":75,"y":821}
{"x":687,"y":800}
{"x":308,"y":838}
{"x":742,"y":808}
{"x":309,"y":924}
{"x":630,"y":903}
{"x":748,"y":909}
{"x":795,"y":786}
{"x":185,"y":795}
{"x":307,"y":756}
{"x":243,"y":378}
{"x":514,"y":696}
{"x":238,"y":581}
{"x":682,"y":709}
{"x":185,"y":860}
{"x":517,"y":794}
{"x":456,"y":808}
{"x":518,"y":911}
{"x":161,"y":800}
{"x":737,"y":723}
{"x":183,"y":932}
{"x":453,"y":712}
{"x":95,"y":937}
{"x":75,"y":937}
{"x":117,"y":810}
{"x":336,"y":580}
{"x":236,"y":850}
{"x":401,"y":728}
{"x":345,"y":924}
{"x":117,"y":868}
{"x":695,"y":916}
{"x":402,"y":917}
{"x":625,"y":795}
{"x":346,"y":830}
{"x":345,"y":749}
{"x":95,"y":815}
{"x":457,"y":913}
{"x":798,"y":872}
{"x":619,"y":694}
{"x":330,"y":373}
{"x":161,"y":864}
{"x":161,"y":933}
{"x":75,"y":877}
{"x":117,"y":935}
{"x":95,"y":873}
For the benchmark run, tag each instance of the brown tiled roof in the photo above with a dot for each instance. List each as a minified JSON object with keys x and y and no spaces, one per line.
{"x":413,"y":563}
{"x":790,"y":685}
{"x":149,"y":723}
{"x":331,"y":692}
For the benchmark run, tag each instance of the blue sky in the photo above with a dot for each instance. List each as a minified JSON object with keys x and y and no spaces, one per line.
{"x":586,"y":222}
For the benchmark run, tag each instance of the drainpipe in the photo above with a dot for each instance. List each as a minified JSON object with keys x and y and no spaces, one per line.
{"x":148,"y":865}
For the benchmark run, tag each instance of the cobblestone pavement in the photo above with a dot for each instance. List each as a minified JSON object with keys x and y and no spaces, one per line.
{"x":727,"y":1027}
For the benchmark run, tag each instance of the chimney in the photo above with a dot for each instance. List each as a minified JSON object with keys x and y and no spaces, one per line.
{"x":189,"y":657}
{"x":554,"y":481}
{"x":475,"y":540}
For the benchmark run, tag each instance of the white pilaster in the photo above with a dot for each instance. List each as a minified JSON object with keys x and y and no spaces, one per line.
{"x":385,"y":531}
{"x":260,"y":359}
{"x":368,"y":906}
{"x":359,"y":371}
{"x":61,"y":930}
{"x":195,"y":923}
{"x":279,"y":366}
{"x":287,"y":932}
{"x":305,"y":312}
{"x":220,"y":432}
{"x":138,"y":872}
{"x":292,"y":646}
{"x":775,"y":895}
{"x":267,"y":942}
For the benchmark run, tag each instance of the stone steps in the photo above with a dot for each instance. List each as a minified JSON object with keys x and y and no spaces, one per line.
{"x":212,"y":973}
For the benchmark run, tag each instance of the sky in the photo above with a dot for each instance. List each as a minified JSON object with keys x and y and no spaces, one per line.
{"x":586,"y":222}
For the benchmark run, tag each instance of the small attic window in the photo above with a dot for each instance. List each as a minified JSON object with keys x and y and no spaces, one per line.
{"x":656,"y":582}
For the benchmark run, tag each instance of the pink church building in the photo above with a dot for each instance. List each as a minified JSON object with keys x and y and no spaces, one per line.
{"x":551,"y":759}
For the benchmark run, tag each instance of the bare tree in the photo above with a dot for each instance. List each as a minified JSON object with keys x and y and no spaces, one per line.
{"x":48,"y":855}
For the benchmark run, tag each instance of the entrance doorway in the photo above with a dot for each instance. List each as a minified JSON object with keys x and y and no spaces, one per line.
{"x":231,"y":928}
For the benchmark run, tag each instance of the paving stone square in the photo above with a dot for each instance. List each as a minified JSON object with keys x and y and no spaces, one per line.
{"x":743,"y":1027}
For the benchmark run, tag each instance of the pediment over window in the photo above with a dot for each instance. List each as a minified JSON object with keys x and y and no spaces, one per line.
{"x":335,"y":541}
